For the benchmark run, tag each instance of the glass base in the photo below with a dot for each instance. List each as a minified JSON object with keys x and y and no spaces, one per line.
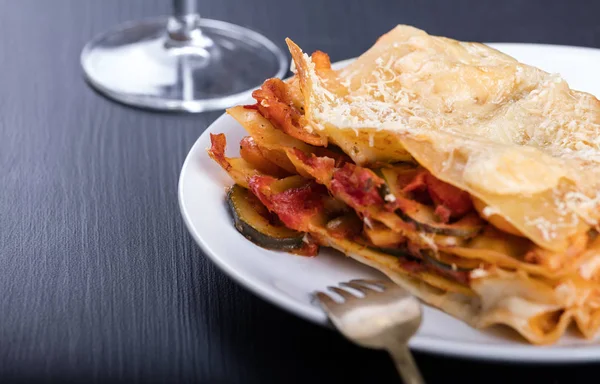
{"x":139,"y":64}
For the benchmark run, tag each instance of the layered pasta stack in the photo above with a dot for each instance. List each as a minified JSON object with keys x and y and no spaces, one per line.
{"x":465,"y":176}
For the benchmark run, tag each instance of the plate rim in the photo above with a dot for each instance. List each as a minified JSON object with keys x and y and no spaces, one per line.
{"x":512,"y":353}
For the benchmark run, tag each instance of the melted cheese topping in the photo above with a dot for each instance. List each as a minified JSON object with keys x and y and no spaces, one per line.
{"x":476,"y":118}
{"x":510,"y":172}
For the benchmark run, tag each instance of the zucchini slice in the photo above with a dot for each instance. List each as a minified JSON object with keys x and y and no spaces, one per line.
{"x":449,"y":262}
{"x":423,"y":216}
{"x":425,"y":220}
{"x":398,"y":252}
{"x":384,"y":189}
{"x":251,"y":219}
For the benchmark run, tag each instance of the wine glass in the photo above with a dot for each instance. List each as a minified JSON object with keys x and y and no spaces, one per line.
{"x":181,"y":62}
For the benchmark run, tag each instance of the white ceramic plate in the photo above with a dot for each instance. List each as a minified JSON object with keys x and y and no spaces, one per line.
{"x":287,"y":280}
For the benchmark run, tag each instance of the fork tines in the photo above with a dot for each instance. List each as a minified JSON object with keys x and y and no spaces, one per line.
{"x":362,"y":286}
{"x":376,"y":314}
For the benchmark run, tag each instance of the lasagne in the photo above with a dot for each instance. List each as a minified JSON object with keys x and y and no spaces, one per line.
{"x":467,"y":177}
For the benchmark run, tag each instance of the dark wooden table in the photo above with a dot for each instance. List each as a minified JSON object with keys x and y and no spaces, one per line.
{"x":99,"y":280}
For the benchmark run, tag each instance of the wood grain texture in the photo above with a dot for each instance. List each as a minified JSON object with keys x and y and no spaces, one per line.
{"x":99,"y":280}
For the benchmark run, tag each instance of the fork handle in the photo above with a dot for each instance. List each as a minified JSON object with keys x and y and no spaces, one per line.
{"x":405,"y":365}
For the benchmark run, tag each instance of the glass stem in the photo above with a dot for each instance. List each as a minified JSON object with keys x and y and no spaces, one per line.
{"x":184,"y":25}
{"x":182,"y":8}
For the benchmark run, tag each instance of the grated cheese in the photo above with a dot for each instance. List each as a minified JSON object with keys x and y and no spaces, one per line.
{"x":428,"y":239}
{"x":306,"y":238}
{"x":478,"y":273}
{"x":489,"y":211}
{"x":584,"y":206}
{"x":588,"y":269}
{"x":547,"y":229}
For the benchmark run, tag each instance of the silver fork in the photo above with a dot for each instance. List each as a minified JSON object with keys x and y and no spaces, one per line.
{"x":382,"y":315}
